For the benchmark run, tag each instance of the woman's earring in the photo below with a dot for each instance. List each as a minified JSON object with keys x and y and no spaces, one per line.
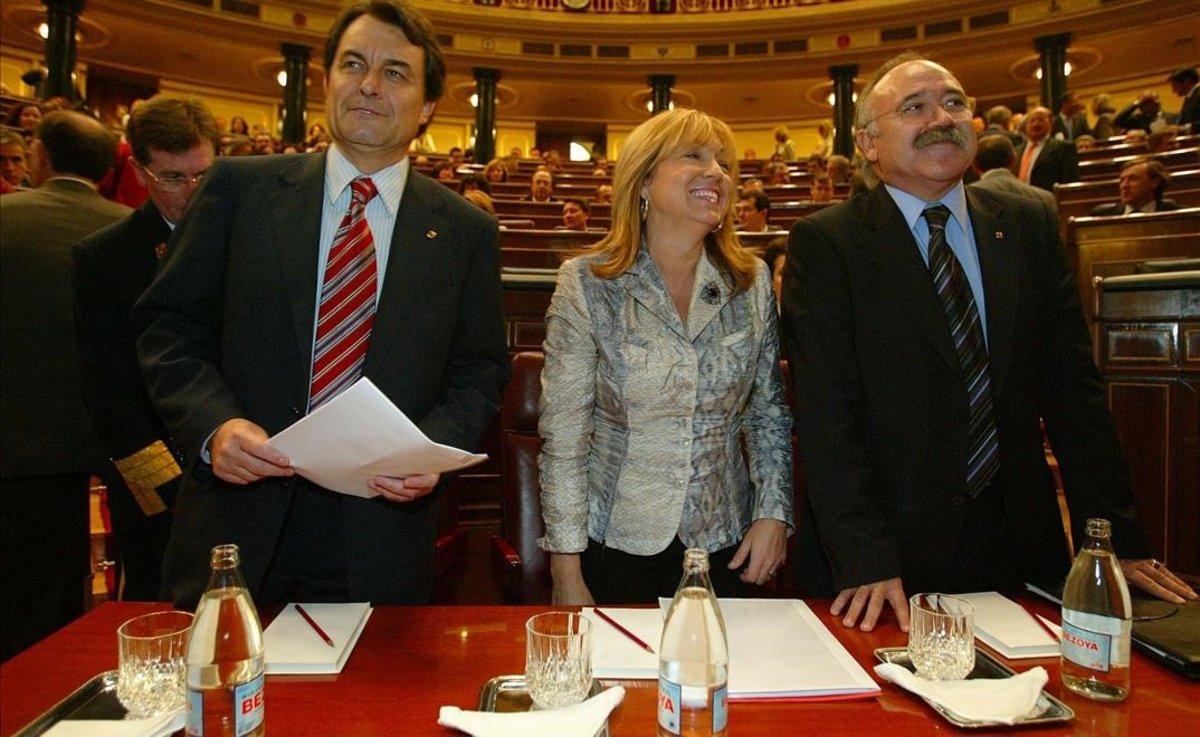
{"x":643,"y":206}
{"x":720,"y":225}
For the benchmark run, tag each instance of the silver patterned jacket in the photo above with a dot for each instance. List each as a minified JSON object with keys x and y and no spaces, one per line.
{"x":643,"y":418}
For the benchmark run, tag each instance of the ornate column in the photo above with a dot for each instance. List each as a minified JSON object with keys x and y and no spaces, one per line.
{"x":485,"y":113}
{"x":1053,"y":50}
{"x":843,"y":108}
{"x":295,"y":92}
{"x":660,"y":92}
{"x":61,"y":19}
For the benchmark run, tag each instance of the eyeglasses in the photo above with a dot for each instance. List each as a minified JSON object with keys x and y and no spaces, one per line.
{"x":958,"y":107}
{"x":173,"y":183}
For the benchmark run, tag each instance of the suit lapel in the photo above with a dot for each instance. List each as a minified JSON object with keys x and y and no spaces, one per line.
{"x":297,"y":207}
{"x":906,"y":279}
{"x":413,"y":265}
{"x":709,"y":295}
{"x":996,"y":262}
{"x":645,"y":285}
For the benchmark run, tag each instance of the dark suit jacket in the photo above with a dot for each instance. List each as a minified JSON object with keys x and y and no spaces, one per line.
{"x":1056,"y":164}
{"x":44,"y":426}
{"x":111,"y":270}
{"x":1116,"y":208}
{"x":1189,"y":112}
{"x":882,"y":409}
{"x":1079,"y":127}
{"x":229,"y":334}
{"x":1131,"y":117}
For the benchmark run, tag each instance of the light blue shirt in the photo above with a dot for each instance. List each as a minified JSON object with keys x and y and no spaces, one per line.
{"x":958,"y":234}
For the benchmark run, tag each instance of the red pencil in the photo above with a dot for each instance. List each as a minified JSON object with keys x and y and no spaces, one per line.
{"x":316,"y":627}
{"x":624,"y":631}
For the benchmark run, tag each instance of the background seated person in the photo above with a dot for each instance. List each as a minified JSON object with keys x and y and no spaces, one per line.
{"x":839,"y":169}
{"x":575,"y":214}
{"x":1142,"y":184}
{"x":604,"y":193}
{"x":753,"y":211}
{"x":662,"y":362}
{"x":821,"y":189}
{"x":495,"y":171}
{"x":541,"y":187}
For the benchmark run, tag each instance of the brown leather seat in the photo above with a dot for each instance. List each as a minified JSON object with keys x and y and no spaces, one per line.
{"x":517,"y":560}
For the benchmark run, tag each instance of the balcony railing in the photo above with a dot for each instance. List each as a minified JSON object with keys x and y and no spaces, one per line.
{"x":654,"y":6}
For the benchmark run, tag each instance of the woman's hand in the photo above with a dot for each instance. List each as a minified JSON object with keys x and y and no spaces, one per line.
{"x":765,"y":545}
{"x":569,"y":587}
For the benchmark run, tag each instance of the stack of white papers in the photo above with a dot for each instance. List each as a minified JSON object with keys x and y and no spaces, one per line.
{"x":616,"y":656}
{"x":159,"y":726}
{"x":293,"y":646}
{"x":777,"y":649}
{"x":1003,"y":625}
{"x":360,"y":434}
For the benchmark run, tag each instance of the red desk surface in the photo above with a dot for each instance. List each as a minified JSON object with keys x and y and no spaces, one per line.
{"x":412,"y":660}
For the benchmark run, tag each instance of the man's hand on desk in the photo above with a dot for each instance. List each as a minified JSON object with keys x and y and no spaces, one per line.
{"x":1154,"y":578}
{"x":240,"y":454}
{"x":404,"y":489}
{"x":873,"y":596}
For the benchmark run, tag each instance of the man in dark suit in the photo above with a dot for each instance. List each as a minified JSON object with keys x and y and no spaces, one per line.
{"x":48,"y":449}
{"x":1143,"y":182}
{"x":999,"y":122}
{"x":173,"y":144}
{"x":1144,"y":113}
{"x":288,"y":278}
{"x":1044,"y":161}
{"x":929,"y":326}
{"x":1186,"y":83}
{"x":1071,"y":121}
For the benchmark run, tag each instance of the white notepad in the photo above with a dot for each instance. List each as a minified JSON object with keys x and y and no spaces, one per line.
{"x":777,"y":649}
{"x":292,"y":646}
{"x":616,"y":656}
{"x":1003,"y":625}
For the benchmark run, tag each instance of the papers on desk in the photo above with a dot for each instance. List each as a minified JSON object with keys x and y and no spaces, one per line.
{"x":360,"y":434}
{"x":293,"y":646}
{"x":1003,"y":625}
{"x":159,"y":726}
{"x":778,"y":649}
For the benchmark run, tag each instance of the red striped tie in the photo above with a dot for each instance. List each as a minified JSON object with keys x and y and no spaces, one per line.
{"x":347,"y":310}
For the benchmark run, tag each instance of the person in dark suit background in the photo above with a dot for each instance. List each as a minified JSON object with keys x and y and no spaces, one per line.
{"x":995,"y":158}
{"x":48,"y":449}
{"x":999,"y":122}
{"x":173,"y":143}
{"x":1143,"y":182}
{"x":1186,"y":83}
{"x":237,"y":342}
{"x":1144,"y":113}
{"x":929,"y":326}
{"x":1044,"y":161}
{"x":1071,"y":121}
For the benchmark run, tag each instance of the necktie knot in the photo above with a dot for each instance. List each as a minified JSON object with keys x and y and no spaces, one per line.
{"x":362,"y":190}
{"x":937,"y":216}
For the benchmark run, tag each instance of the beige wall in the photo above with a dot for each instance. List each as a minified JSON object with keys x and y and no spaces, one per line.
{"x":15,"y":62}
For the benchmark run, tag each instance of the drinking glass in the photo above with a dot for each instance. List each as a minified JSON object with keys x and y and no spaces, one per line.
{"x":941,"y":636}
{"x":558,"y":659}
{"x":152,"y":675}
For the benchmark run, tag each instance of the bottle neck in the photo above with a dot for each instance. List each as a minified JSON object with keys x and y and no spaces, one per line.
{"x":1099,"y":543}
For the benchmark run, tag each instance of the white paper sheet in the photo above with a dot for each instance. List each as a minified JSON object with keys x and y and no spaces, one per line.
{"x":293,"y":646}
{"x":1005,"y":626}
{"x":360,"y":434}
{"x":777,"y":649}
{"x":616,"y":656}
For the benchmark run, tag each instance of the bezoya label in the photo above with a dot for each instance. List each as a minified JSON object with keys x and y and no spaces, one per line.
{"x":1095,"y":641}
{"x":247,"y":708}
{"x":673,"y":698}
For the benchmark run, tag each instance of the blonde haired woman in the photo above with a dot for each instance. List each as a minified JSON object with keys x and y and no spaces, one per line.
{"x":661,"y":369}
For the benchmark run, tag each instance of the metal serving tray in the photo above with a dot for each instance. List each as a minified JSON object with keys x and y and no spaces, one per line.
{"x":505,"y":694}
{"x":1047,"y":709}
{"x":96,"y":699}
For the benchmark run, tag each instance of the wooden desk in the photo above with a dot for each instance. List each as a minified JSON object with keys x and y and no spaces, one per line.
{"x":412,"y":660}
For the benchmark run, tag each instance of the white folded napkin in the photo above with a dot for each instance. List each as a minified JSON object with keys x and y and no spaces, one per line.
{"x":996,"y":700}
{"x":581,"y":720}
{"x":158,"y":726}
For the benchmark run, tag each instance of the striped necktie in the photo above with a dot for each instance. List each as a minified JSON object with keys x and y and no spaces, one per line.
{"x":347,"y":311}
{"x":967,"y":332}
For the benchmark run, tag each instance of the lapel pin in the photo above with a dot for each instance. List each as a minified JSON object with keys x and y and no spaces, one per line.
{"x":999,"y":235}
{"x":431,"y":234}
{"x":160,"y":250}
{"x":710,"y":293}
